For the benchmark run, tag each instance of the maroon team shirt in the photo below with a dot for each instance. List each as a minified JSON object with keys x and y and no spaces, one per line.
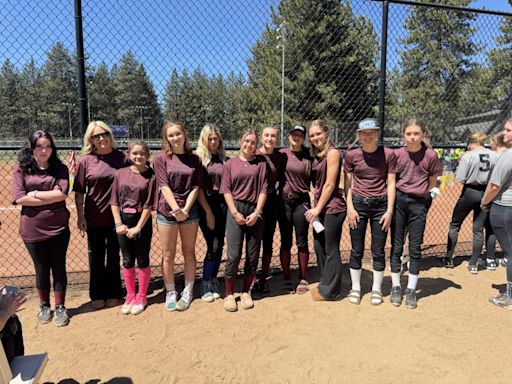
{"x":94,"y":178}
{"x":370,"y":170}
{"x":134,"y":190}
{"x":336,"y":202}
{"x":275,"y":165}
{"x":181,"y":173}
{"x":296,"y":181}
{"x":214,"y":170}
{"x":46,"y":221}
{"x":245,"y":180}
{"x":414,"y":169}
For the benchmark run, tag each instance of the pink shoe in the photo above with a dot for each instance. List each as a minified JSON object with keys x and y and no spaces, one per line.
{"x":139,"y":305}
{"x":127,"y":307}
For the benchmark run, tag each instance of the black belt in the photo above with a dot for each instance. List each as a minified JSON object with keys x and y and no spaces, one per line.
{"x":478,"y":187}
{"x":370,"y":200}
{"x":410,"y":195}
{"x":294,"y":196}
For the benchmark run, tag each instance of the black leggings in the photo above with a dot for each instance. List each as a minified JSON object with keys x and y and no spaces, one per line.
{"x":327,"y":249}
{"x":105,"y":277}
{"x":291,"y":215}
{"x":137,"y":248}
{"x":469,"y":200}
{"x":235,"y":237}
{"x":501,"y":220}
{"x":214,"y":237}
{"x":50,"y":256}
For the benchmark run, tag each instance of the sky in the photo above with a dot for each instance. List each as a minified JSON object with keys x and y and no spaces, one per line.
{"x":163,"y":34}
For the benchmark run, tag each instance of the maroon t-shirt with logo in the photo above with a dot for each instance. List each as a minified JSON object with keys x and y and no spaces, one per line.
{"x":45,"y":221}
{"x":414,"y":169}
{"x":296,"y":181}
{"x":94,"y":178}
{"x":275,"y":168}
{"x":370,"y":170}
{"x":181,"y":173}
{"x":245,"y":180}
{"x":213,"y":174}
{"x":133,"y":190}
{"x":336,"y":202}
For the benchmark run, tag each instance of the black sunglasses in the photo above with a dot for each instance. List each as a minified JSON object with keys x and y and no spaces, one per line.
{"x":103,"y":135}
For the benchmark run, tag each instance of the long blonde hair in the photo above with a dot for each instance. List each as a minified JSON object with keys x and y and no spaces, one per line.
{"x":166,"y":147}
{"x":478,"y":138}
{"x":89,"y":146}
{"x":322,"y":124}
{"x":202,"y":145}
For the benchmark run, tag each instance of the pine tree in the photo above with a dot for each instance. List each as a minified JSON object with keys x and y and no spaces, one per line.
{"x":101,"y":94}
{"x":9,"y":100}
{"x":434,"y":66}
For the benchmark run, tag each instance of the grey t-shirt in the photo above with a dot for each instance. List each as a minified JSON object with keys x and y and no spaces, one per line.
{"x":502,"y":177}
{"x":476,"y":166}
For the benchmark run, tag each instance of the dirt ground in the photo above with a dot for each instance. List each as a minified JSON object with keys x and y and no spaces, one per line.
{"x":454,"y":336}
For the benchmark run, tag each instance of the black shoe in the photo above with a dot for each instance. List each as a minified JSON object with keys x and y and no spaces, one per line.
{"x":261,"y":287}
{"x":61,"y":316}
{"x":410,"y":298}
{"x":396,"y":296}
{"x":45,"y":314}
{"x":448,"y":262}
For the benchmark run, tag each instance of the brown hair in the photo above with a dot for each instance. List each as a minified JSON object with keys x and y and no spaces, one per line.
{"x":322,"y":124}
{"x":478,"y":138}
{"x":144,"y":146}
{"x":414,"y":121}
{"x":166,"y":147}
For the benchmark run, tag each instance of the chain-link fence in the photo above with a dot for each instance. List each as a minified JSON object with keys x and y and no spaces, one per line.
{"x":246,"y":65}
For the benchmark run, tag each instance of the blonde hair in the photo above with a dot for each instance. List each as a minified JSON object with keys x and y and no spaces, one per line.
{"x":478,"y":138}
{"x":166,"y":147}
{"x":202,"y":145}
{"x":89,"y":146}
{"x":322,"y":124}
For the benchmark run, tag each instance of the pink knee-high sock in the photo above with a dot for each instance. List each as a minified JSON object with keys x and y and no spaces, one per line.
{"x":303,"y":263}
{"x":144,"y":277}
{"x":129,"y":282}
{"x":285,"y":257}
{"x":60,"y":297}
{"x":230,"y":286}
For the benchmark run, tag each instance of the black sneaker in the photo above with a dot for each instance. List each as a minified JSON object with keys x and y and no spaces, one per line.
{"x":448,"y":262}
{"x":396,"y":296}
{"x":61,"y":316}
{"x":45,"y":314}
{"x":410,"y":298}
{"x":261,"y":288}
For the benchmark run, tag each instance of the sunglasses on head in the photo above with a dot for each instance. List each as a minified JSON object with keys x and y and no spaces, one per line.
{"x":103,"y":135}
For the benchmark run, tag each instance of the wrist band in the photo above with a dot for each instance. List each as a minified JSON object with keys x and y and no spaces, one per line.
{"x":119,"y":224}
{"x":234,"y":214}
{"x":35,"y":194}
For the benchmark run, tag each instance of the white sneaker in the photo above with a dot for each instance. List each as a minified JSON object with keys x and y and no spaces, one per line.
{"x":170,"y":300}
{"x":215,"y":287}
{"x":185,"y":300}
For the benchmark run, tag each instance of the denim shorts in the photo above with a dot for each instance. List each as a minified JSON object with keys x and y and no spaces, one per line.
{"x":193,"y":217}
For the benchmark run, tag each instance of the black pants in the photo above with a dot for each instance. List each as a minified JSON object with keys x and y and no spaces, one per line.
{"x":137,"y":248}
{"x":370,"y":211}
{"x":270,"y":212}
{"x":235,"y":235}
{"x":105,"y":278}
{"x":501,"y":221}
{"x":49,"y":256}
{"x":291,"y":215}
{"x":214,"y":237}
{"x":327,"y":249}
{"x":410,"y":217}
{"x":469,"y":200}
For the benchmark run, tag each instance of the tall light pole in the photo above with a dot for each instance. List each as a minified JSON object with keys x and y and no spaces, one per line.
{"x":282,"y":37}
{"x":69,"y":105}
{"x":142,"y":108}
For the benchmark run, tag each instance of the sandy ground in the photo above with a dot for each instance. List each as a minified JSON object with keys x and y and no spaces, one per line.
{"x":454,"y":336}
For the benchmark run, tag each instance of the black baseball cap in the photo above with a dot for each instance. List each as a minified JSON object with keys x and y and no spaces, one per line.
{"x":297,"y":128}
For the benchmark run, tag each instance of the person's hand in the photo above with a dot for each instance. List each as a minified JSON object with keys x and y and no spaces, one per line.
{"x":82,"y":226}
{"x":485,"y":208}
{"x":385,"y":220}
{"x":251,"y":219}
{"x":240,"y":219}
{"x":210,"y":220}
{"x":10,"y":302}
{"x":132,"y":232}
{"x":310,"y":214}
{"x":353,"y":218}
{"x":122,"y":229}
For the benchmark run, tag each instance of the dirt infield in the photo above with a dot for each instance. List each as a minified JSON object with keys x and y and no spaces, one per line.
{"x":454,"y":336}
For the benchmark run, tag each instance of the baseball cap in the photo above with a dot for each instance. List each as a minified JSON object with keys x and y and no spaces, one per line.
{"x":297,"y":128}
{"x":367,"y":124}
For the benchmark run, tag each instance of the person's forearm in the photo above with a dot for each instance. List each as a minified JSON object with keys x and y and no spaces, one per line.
{"x":203,"y":202}
{"x":116,"y":212}
{"x":191,"y":199}
{"x":146,"y":215}
{"x":262,"y":198}
{"x":169,"y":198}
{"x":79,"y":202}
{"x":391,"y":195}
{"x":490,"y":194}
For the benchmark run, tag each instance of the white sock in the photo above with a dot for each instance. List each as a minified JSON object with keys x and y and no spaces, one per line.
{"x":489,"y":260}
{"x":189,"y":286}
{"x":395,"y":279}
{"x":355,"y":276}
{"x":377,"y":281}
{"x":413,"y":282}
{"x":169,"y":287}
